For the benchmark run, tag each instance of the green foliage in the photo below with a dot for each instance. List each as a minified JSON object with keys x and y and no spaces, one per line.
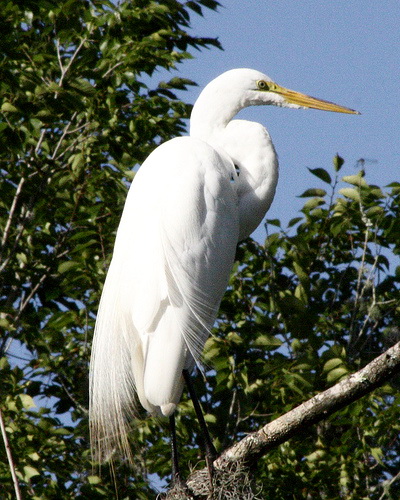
{"x":76,"y":116}
{"x":313,"y":304}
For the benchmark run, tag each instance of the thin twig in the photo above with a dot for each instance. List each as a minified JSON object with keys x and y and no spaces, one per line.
{"x":71,"y":397}
{"x":10,"y":458}
{"x":59,"y":56}
{"x":64,"y":70}
{"x":12,"y":210}
{"x":112,"y":69}
{"x":39,"y":143}
{"x":387,"y":484}
{"x":25,"y":302}
{"x":65,"y":131}
{"x":21,"y":229}
{"x":78,"y":128}
{"x":361,"y":269}
{"x":78,"y":140}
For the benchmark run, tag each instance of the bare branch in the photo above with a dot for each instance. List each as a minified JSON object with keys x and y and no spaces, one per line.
{"x":18,"y":495}
{"x":64,"y":69}
{"x":386,"y":485}
{"x":110,"y":70}
{"x":39,"y":143}
{"x":318,"y":408}
{"x":12,"y":210}
{"x":26,"y":301}
{"x":59,"y":56}
{"x":65,"y":131}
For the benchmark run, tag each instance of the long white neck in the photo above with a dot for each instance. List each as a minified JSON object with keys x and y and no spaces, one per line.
{"x":249,"y":147}
{"x":213,"y":110}
{"x":246,"y":145}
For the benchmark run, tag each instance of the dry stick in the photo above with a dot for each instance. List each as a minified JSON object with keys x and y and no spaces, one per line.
{"x":10,"y":458}
{"x":318,"y":408}
{"x":65,"y":69}
{"x":12,"y":210}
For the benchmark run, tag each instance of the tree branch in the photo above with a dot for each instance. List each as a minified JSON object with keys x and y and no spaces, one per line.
{"x":64,"y":69}
{"x":10,"y":458}
{"x":12,"y":210}
{"x":318,"y":408}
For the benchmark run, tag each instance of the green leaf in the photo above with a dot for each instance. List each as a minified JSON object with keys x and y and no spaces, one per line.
{"x":353,"y":194}
{"x":296,"y":345}
{"x":30,"y":472}
{"x":83,"y":86}
{"x":37,"y":124}
{"x":27,"y":401}
{"x":373,"y":211}
{"x":313,"y":192}
{"x":316,"y":456}
{"x":337,"y":163}
{"x":274,"y":222}
{"x":267,"y":341}
{"x":67,"y":266}
{"x":94,"y":479}
{"x":377,"y":453}
{"x":321,"y":174}
{"x":337,"y":374}
{"x":356,"y":180}
{"x":313,"y":203}
{"x":294,"y":221}
{"x":8,"y":107}
{"x":234,"y":337}
{"x":78,"y":161}
{"x":332,"y":363}
{"x":301,"y":294}
{"x":4,"y":365}
{"x":301,"y":273}
{"x":210,"y":419}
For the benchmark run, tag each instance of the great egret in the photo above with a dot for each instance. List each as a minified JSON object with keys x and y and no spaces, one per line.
{"x":190,"y":203}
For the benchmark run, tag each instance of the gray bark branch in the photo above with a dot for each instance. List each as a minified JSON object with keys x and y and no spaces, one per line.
{"x":318,"y":408}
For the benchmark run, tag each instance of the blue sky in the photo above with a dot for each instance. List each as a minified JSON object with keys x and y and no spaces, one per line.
{"x":347,"y":52}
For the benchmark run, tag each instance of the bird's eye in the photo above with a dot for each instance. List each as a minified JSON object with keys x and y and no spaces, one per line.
{"x":262,"y":85}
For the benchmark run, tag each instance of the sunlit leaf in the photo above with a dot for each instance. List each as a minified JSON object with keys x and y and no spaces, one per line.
{"x":337,"y":374}
{"x":351,"y":193}
{"x":356,"y":180}
{"x":313,"y":192}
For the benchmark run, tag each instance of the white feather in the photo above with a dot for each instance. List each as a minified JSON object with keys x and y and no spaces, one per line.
{"x":184,"y":214}
{"x":160,"y":299}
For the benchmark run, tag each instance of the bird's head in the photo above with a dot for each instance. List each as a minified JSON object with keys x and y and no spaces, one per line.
{"x":236,"y":89}
{"x":257,"y":89}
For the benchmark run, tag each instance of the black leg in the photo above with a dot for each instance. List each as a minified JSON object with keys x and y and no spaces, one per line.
{"x":210,"y":451}
{"x":176,"y":478}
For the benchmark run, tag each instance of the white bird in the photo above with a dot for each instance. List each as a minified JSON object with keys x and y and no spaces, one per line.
{"x":191,"y":202}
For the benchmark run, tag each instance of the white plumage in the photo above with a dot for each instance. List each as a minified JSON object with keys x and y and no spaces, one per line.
{"x":186,"y":210}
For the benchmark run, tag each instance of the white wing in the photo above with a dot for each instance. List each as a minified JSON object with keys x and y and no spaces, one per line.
{"x":172,"y":259}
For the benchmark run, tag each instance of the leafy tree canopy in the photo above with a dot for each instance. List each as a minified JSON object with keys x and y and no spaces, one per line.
{"x":76,"y":116}
{"x":316,"y":302}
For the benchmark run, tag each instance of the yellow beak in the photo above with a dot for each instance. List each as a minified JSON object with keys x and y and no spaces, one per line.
{"x":307,"y":101}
